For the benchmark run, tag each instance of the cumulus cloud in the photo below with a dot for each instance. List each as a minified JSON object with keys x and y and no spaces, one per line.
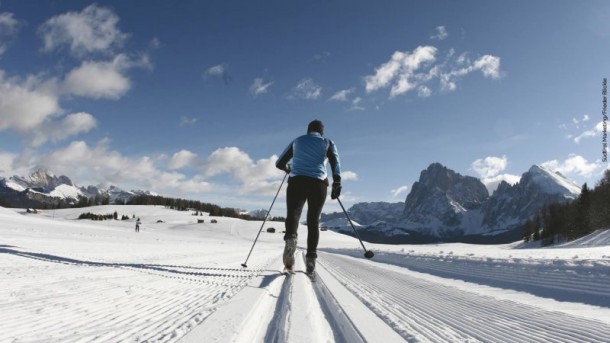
{"x":489,"y":65}
{"x":441,"y":33}
{"x":181,"y":159}
{"x":23,"y":105}
{"x":101,"y":165}
{"x":259,"y":86}
{"x":407,"y":71}
{"x":93,"y":30}
{"x":398,"y":191}
{"x":489,"y":166}
{"x":306,"y":89}
{"x":400,"y":70}
{"x":103,"y":80}
{"x":9,"y":26}
{"x":575,"y":165}
{"x":349,"y":176}
{"x":489,"y":169}
{"x":71,"y":125}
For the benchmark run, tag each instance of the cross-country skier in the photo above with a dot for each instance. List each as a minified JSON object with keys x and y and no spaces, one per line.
{"x":138,"y":222}
{"x":308,"y":183}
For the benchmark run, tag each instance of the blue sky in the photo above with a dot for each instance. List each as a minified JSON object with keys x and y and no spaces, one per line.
{"x":196,"y":99}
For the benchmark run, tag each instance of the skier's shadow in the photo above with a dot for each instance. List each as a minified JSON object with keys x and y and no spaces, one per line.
{"x":222,"y":272}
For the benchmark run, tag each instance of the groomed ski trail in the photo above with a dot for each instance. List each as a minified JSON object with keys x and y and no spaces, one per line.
{"x":290,"y":308}
{"x":422,"y":310}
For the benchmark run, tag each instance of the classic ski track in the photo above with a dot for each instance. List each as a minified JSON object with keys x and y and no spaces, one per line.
{"x":540,"y":277}
{"x":168,"y":311}
{"x":410,"y":305}
{"x":304,"y":302}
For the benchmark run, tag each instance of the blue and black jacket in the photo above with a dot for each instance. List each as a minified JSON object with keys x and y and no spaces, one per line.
{"x":309,"y":154}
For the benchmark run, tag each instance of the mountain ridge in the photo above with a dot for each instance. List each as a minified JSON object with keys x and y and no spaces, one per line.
{"x":444,"y":205}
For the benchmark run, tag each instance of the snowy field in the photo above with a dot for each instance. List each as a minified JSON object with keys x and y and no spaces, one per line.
{"x":69,"y":280}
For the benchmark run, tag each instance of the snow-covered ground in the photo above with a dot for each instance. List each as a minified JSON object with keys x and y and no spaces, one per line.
{"x":69,"y":280}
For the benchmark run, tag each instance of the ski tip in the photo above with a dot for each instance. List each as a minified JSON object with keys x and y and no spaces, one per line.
{"x":369,"y":254}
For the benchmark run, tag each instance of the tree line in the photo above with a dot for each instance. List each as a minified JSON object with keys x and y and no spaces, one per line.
{"x":569,"y":221}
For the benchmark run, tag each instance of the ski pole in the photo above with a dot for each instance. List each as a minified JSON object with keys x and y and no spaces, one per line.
{"x":267,"y":215}
{"x":367,"y":253}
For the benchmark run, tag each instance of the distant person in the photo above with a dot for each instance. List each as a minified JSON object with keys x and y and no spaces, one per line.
{"x":308,"y":182}
{"x":138,"y":222}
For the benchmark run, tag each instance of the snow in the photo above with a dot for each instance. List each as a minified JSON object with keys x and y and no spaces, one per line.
{"x":69,"y":280}
{"x":553,"y":182}
{"x":15,"y":186}
{"x":66,"y":191}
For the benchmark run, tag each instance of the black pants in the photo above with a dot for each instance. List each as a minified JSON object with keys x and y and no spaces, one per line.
{"x":303,"y":189}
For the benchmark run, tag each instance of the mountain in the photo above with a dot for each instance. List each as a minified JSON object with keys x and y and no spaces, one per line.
{"x":510,"y":206}
{"x":443,"y":202}
{"x":42,"y":188}
{"x":446,"y":206}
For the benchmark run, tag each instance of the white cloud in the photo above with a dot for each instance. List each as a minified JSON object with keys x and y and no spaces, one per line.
{"x":341,"y":95}
{"x":253,"y":176}
{"x":306,"y":89}
{"x":575,"y":165}
{"x":490,"y":166}
{"x":595,"y":131}
{"x":259,"y":86}
{"x":71,"y":125}
{"x":489,"y":65}
{"x":23,"y":106}
{"x":8,"y":30}
{"x":101,"y":165}
{"x":489,"y":169}
{"x":400,"y":70}
{"x":349,"y":176}
{"x":398,"y":191}
{"x":407,"y":71}
{"x":102,"y":80}
{"x":424,"y":91}
{"x":10,"y":165}
{"x":93,"y":30}
{"x":218,"y":71}
{"x":492,"y":183}
{"x":356,"y":104}
{"x":181,"y":159}
{"x":97,"y":80}
{"x":441,"y":33}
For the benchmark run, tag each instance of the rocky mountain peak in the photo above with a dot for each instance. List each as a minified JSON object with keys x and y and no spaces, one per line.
{"x":42,"y":178}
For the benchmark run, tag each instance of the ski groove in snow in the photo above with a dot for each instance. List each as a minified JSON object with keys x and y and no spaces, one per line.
{"x":421,"y":310}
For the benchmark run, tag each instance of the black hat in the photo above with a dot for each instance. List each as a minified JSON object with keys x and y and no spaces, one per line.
{"x":316,"y":126}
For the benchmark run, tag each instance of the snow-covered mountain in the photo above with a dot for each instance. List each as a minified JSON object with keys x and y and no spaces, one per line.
{"x":445,"y":205}
{"x":510,"y":206}
{"x":43,"y":187}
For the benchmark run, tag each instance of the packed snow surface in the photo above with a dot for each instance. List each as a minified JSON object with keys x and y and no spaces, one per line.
{"x":69,"y":280}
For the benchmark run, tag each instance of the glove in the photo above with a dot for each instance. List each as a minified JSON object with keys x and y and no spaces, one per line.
{"x":336,"y":190}
{"x":288,"y":168}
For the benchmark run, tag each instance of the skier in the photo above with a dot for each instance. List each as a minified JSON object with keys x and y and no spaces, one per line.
{"x":138,"y":222}
{"x":308,"y":182}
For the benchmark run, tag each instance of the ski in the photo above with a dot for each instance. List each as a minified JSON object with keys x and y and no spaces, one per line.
{"x":311,"y":276}
{"x":288,"y":272}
